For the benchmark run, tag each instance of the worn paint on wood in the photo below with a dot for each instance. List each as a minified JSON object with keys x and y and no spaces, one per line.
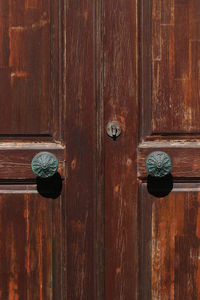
{"x":32,"y":229}
{"x":28,"y":71}
{"x":172,"y":243}
{"x":169,"y":121}
{"x":120,"y":103}
{"x":27,"y":243}
{"x":170,"y":60}
{"x":81,"y":149}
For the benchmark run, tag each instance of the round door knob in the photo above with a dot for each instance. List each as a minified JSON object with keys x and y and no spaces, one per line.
{"x":44,"y":164}
{"x":158,"y":164}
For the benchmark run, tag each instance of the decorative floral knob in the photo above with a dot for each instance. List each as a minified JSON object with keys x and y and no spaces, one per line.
{"x":44,"y":164}
{"x":158,"y":164}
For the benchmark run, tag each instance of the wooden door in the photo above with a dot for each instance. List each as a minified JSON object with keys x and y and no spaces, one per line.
{"x":169,"y":228}
{"x":31,"y":211}
{"x":151,"y":52}
{"x":47,"y":104}
{"x":101,"y":228}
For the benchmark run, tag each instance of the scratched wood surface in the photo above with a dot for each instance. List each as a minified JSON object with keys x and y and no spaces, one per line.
{"x":81,"y":150}
{"x":185,"y":158}
{"x":169,"y":90}
{"x":27,"y":60}
{"x":27,"y":241}
{"x":32,"y":213}
{"x":170,"y":245}
{"x":171,"y":63}
{"x":175,"y":66}
{"x":120,"y":103}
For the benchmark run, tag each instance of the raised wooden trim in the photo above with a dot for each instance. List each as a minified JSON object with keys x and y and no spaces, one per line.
{"x":121,"y":104}
{"x":185,"y":157}
{"x":80,"y":141}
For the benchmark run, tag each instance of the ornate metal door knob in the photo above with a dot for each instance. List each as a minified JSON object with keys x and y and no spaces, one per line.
{"x":158,"y":164}
{"x":44,"y":164}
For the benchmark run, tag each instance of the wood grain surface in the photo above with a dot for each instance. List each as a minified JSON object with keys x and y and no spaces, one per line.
{"x":81,"y":149}
{"x":67,"y":68}
{"x":170,"y":246}
{"x":29,"y":42}
{"x":185,"y":158}
{"x":169,"y":121}
{"x":32,"y":215}
{"x":169,"y":53}
{"x":120,"y":103}
{"x":27,"y":244}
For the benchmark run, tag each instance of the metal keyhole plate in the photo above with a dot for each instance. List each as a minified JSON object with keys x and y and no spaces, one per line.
{"x":113,"y":129}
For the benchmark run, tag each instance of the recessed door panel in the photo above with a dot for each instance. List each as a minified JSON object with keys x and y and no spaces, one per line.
{"x":30,"y":243}
{"x":170,"y":243}
{"x":169,"y":54}
{"x":28,"y":68}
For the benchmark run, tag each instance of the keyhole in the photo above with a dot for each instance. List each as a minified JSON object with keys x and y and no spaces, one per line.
{"x":114,"y":129}
{"x":114,"y":132}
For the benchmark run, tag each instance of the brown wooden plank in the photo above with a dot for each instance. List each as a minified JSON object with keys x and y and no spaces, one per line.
{"x":181,"y":38}
{"x":15,"y":159}
{"x":167,"y":12}
{"x":100,"y":168}
{"x":59,"y":246}
{"x":39,"y":247}
{"x":29,"y":39}
{"x":30,"y":255}
{"x":145,"y":67}
{"x":156,"y":30}
{"x":173,"y":98}
{"x":185,"y":158}
{"x":194,"y":22}
{"x":120,"y":103}
{"x":161,"y":84}
{"x":13,"y":239}
{"x":81,"y":142}
{"x":144,"y":243}
{"x":194,"y":81}
{"x":172,"y":242}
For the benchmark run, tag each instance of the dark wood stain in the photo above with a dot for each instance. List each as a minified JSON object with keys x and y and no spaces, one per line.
{"x":32,"y":233}
{"x":27,"y":244}
{"x":169,"y":113}
{"x":67,"y":68}
{"x":81,"y":149}
{"x":120,"y":103}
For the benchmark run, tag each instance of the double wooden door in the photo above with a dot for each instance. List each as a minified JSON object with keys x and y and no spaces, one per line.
{"x":100,"y":228}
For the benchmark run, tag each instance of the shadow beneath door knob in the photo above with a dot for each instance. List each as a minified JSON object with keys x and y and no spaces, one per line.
{"x":50,"y":187}
{"x":160,"y":186}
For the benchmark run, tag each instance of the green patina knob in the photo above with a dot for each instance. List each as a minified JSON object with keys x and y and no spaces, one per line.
{"x":44,"y":164}
{"x":158,"y":164}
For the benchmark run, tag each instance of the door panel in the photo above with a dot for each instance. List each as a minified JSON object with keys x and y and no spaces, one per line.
{"x":169,"y":121}
{"x":170,"y":243}
{"x":185,"y":157}
{"x":169,"y":53}
{"x":120,"y":183}
{"x":32,"y":210}
{"x":29,"y":247}
{"x":15,"y":158}
{"x":28,"y":68}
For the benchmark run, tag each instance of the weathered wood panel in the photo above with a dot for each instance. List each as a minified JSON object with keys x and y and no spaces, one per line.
{"x":31,"y":98}
{"x":27,"y":242}
{"x":29,"y":51}
{"x":185,"y":158}
{"x":120,"y":103}
{"x":80,"y":139}
{"x":170,"y":246}
{"x":15,"y":161}
{"x":170,"y":105}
